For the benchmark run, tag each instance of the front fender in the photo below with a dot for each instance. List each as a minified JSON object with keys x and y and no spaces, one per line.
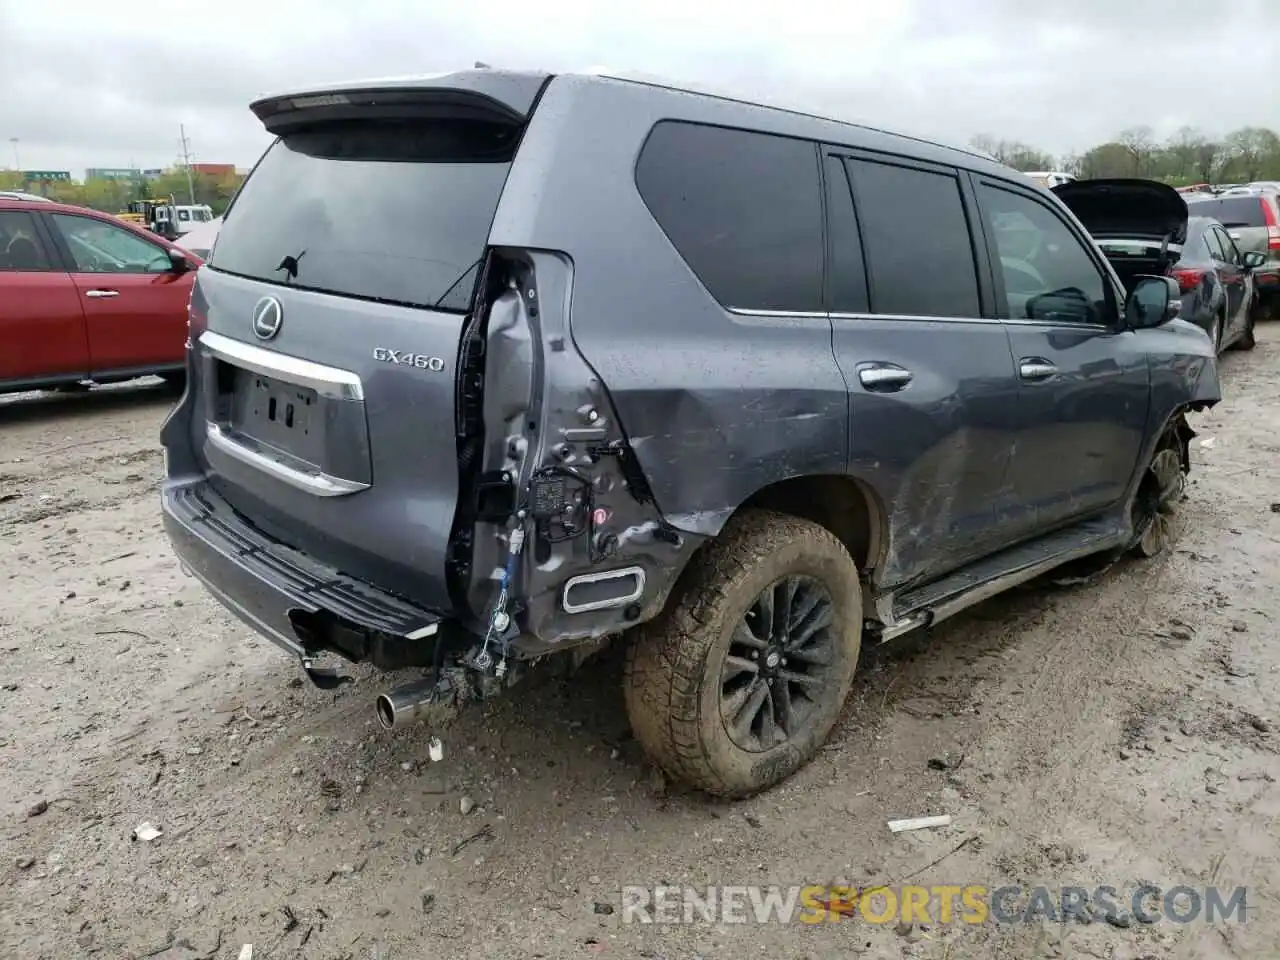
{"x":1184,"y":370}
{"x":1184,"y":377}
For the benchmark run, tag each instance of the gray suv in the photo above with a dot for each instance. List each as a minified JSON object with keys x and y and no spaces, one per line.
{"x":491,"y":366}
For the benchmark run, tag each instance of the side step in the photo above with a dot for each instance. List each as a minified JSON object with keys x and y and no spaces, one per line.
{"x":934,"y":602}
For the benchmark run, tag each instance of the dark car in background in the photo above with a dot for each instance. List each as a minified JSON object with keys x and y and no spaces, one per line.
{"x":1145,"y":229}
{"x":1253,"y":223}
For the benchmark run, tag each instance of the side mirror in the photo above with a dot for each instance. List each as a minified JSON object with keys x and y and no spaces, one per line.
{"x":1252,"y":259}
{"x":178,"y":263}
{"x":1152,"y":301}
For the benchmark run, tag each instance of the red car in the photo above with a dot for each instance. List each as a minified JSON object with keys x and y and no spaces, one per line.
{"x":86,"y":296}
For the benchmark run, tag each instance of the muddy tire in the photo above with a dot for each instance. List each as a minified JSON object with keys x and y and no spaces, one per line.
{"x":1159,"y":493}
{"x":726,"y":692}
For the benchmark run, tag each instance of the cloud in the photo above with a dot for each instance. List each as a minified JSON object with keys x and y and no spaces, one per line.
{"x":84,"y":85}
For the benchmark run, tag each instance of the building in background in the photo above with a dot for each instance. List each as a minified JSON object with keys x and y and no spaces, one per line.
{"x":217,"y":170}
{"x":129,"y":174}
{"x":153,"y":174}
{"x":46,"y":176}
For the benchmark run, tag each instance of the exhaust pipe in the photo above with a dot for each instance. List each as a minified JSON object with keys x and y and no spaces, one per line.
{"x":406,"y":705}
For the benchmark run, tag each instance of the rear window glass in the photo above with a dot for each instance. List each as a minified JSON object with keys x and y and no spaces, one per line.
{"x":743,"y":209}
{"x":1232,"y":211}
{"x":917,"y":241}
{"x":397,"y":212}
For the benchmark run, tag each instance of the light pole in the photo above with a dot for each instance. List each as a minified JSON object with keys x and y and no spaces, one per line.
{"x":17,"y":162}
{"x":186,"y":160}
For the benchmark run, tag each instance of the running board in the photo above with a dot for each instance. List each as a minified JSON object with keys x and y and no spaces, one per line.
{"x":934,"y":602}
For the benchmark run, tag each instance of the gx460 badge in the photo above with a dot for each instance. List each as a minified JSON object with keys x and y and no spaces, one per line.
{"x":419,"y":360}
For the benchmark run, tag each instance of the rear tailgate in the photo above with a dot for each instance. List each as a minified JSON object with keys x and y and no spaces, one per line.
{"x":1251,"y":220}
{"x":328,"y":324}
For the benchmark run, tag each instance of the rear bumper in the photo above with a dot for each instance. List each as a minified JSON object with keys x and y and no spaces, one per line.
{"x":1267,"y":280}
{"x":303,"y":607}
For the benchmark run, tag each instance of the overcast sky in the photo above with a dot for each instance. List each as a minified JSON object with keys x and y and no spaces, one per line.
{"x":107,"y":84}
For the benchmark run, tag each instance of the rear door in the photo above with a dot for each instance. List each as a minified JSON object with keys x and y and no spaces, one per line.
{"x":1235,"y":279}
{"x":932,"y":392}
{"x":42,"y":332}
{"x":328,"y":327}
{"x":134,"y":302}
{"x":1083,"y":381}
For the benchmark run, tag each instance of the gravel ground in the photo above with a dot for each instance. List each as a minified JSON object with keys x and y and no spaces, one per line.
{"x":1114,"y":732}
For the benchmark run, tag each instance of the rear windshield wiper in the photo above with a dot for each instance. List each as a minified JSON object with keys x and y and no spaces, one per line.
{"x":290,"y":265}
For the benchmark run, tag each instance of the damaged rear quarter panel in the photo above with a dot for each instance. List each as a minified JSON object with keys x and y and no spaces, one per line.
{"x":716,"y":405}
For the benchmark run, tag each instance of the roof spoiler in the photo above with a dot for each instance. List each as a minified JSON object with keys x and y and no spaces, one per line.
{"x":483,"y":94}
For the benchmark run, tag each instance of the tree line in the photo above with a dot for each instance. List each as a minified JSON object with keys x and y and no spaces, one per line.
{"x":114,"y":195}
{"x":1189,"y":156}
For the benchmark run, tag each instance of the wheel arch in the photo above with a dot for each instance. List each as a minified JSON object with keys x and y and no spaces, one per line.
{"x":1175,"y":427}
{"x":844,"y":505}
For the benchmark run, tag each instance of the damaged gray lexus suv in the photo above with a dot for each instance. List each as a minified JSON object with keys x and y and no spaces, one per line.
{"x":490,"y":367}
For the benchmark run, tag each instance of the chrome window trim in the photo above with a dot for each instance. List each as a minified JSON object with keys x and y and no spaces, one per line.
{"x":913,"y":318}
{"x":326,"y":381}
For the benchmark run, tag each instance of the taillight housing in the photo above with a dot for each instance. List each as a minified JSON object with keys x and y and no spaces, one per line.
{"x":1273,"y":224}
{"x":1188,"y":279}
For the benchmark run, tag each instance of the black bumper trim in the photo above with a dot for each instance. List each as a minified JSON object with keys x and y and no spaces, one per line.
{"x":262,"y":581}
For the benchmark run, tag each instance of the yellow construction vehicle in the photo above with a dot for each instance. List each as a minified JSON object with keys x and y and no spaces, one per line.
{"x":158,"y":216}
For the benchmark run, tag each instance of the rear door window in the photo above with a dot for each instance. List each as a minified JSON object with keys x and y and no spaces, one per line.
{"x":21,"y":249}
{"x":392,"y":211}
{"x":743,"y":209}
{"x":919,"y":253}
{"x":1230,"y":253}
{"x":1214,"y":244}
{"x":846,"y":272}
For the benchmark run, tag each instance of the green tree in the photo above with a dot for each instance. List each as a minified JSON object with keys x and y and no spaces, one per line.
{"x":1012,"y":153}
{"x":1182,"y":150}
{"x":1106,"y":160}
{"x":1140,"y":145}
{"x":1251,"y":150}
{"x":1208,"y":160}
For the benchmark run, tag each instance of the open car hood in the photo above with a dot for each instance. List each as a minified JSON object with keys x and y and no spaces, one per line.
{"x":1127,"y":209}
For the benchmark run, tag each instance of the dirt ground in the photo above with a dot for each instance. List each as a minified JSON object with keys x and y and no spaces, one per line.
{"x":1116,"y":732}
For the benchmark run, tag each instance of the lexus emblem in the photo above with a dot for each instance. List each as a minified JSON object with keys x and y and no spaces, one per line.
{"x":267,"y":317}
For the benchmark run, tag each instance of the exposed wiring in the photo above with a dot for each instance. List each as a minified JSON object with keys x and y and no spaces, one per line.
{"x":499,"y":618}
{"x":572,"y":531}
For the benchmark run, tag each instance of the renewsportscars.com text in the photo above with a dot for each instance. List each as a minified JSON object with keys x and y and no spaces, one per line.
{"x":938,"y":904}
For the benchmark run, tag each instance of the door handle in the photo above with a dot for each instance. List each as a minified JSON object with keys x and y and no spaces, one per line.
{"x":1036,"y":368}
{"x":884,"y":377}
{"x":102,"y":293}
